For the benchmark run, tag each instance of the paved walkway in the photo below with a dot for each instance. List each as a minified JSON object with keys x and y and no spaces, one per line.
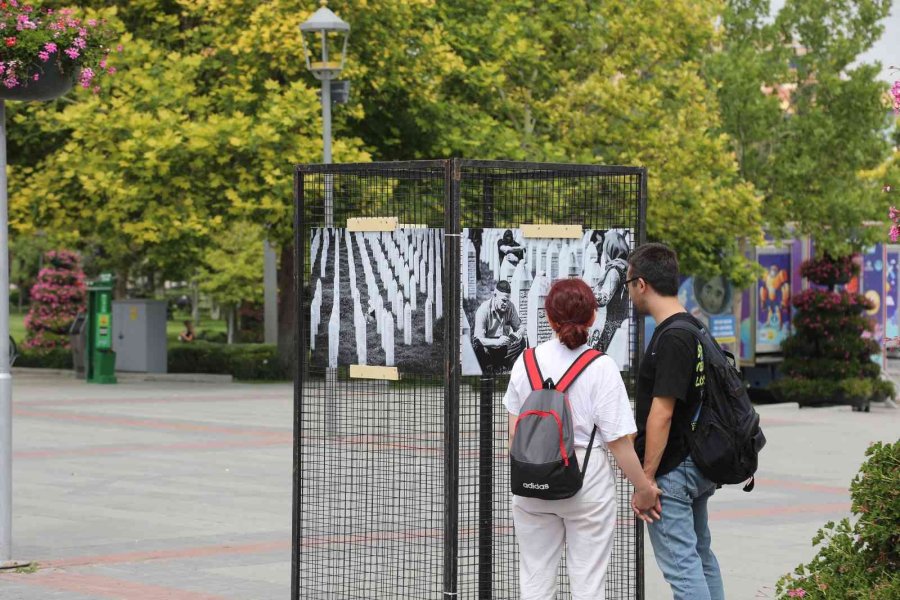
{"x":180,"y":491}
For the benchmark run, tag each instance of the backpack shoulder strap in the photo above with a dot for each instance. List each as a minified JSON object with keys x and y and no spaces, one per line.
{"x":580,"y":364}
{"x":711,"y":349}
{"x":535,"y":378}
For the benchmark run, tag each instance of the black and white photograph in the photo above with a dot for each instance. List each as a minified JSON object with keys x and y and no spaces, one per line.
{"x":506,"y":278}
{"x":377,"y":298}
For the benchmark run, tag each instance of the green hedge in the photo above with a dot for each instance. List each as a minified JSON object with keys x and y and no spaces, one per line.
{"x":242,"y":361}
{"x":57,"y":358}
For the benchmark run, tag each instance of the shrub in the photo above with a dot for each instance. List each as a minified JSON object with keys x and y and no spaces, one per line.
{"x":859,"y":560}
{"x":53,"y":358}
{"x":242,"y":361}
{"x":828,"y":357}
{"x":56,"y":298}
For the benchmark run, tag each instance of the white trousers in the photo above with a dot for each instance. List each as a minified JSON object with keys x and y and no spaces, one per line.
{"x":584,"y":524}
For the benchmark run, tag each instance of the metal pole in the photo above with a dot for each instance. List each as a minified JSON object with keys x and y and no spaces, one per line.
{"x":486,"y":450}
{"x":6,"y":561}
{"x":326,"y":133}
{"x":5,"y":376}
{"x":326,"y":139}
{"x":452,"y":305}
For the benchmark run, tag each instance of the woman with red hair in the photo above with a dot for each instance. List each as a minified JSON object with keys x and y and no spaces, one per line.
{"x":585,"y":522}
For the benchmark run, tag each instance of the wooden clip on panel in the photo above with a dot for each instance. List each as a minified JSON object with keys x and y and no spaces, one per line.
{"x":372,"y":224}
{"x":374,"y":372}
{"x":540,"y":230}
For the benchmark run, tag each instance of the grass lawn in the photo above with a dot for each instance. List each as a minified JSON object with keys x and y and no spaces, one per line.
{"x":173,"y":327}
{"x":176,"y":326}
{"x":17,"y":325}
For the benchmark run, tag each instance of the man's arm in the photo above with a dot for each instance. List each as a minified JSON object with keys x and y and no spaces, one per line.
{"x":659,"y":422}
{"x":479,"y":331}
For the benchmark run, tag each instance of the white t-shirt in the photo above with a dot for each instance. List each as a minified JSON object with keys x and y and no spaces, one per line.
{"x":597,"y":396}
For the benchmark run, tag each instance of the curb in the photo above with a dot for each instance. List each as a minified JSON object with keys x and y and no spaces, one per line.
{"x":123,"y":376}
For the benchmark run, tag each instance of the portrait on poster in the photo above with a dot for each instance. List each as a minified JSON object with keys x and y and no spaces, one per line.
{"x":377,"y":298}
{"x":711,"y":301}
{"x":506,"y":278}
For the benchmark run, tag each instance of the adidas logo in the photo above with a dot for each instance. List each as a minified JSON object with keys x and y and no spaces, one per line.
{"x":536,"y":486}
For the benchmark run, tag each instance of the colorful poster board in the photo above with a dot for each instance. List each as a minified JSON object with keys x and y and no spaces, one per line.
{"x":711,"y":301}
{"x":873,"y":288}
{"x":773,"y":297}
{"x":891,"y":320}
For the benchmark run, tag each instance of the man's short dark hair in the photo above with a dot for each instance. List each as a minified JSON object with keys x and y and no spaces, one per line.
{"x":503,"y":286}
{"x":657,"y":265}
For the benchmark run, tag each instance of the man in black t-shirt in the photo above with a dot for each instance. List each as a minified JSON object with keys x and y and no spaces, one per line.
{"x":669,"y":392}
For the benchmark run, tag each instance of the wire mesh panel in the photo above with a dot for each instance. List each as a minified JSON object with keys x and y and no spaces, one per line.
{"x":496,"y":198}
{"x":402,"y":487}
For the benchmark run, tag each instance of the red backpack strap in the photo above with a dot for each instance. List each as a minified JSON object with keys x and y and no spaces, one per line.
{"x":533,"y":370}
{"x":580,"y":364}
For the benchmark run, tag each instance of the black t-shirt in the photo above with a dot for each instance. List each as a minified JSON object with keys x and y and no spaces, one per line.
{"x":673,"y":366}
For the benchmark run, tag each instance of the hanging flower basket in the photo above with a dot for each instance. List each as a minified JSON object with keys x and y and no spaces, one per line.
{"x":51,"y":83}
{"x":44,"y":52}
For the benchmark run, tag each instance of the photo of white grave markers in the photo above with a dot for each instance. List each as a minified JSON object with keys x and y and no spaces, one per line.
{"x":506,"y":277}
{"x":377,"y":298}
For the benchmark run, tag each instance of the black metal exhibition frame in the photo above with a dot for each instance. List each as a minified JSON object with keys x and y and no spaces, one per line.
{"x":401,"y":488}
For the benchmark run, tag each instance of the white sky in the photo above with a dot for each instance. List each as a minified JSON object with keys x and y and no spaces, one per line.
{"x":886,"y":50}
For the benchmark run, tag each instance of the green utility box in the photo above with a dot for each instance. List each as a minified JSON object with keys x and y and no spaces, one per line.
{"x":101,"y":360}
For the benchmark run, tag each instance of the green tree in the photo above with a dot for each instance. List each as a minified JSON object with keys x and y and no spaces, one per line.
{"x":803,"y":121}
{"x":231,"y":272}
{"x":212,"y":106}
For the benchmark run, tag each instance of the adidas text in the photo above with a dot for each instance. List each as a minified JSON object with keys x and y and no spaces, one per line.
{"x":536,"y":486}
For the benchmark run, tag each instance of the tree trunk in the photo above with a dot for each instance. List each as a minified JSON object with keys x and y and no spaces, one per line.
{"x":287,"y":308}
{"x":195,"y":303}
{"x":230,"y":323}
{"x":121,"y":291}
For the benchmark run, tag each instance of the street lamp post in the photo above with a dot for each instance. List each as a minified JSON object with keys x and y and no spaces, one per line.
{"x":324,"y":36}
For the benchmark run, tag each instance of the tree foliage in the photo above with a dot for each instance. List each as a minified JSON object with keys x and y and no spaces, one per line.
{"x":212,"y":105}
{"x":804,"y":119}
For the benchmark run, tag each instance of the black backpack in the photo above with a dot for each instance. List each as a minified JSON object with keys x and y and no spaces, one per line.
{"x":726,"y":438}
{"x":542,"y":456}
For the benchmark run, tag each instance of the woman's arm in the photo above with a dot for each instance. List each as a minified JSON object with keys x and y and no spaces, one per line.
{"x":646,"y":495}
{"x":608,"y":287}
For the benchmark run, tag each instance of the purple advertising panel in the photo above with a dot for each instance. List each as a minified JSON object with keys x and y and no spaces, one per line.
{"x":891,"y":321}
{"x":747,"y":353}
{"x":873,"y":284}
{"x":773,"y":293}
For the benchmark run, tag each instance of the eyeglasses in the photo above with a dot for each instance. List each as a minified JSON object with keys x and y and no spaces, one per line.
{"x":632,"y":280}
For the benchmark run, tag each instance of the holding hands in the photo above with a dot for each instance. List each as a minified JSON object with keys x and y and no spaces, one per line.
{"x":645,"y":502}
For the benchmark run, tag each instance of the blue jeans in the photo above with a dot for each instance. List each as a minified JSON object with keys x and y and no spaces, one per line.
{"x":681,"y":539}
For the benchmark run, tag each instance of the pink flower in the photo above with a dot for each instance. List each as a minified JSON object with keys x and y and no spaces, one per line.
{"x":72,"y":53}
{"x":50,"y":47}
{"x":86,"y":76}
{"x":797,"y":593}
{"x":36,"y":77}
{"x":10,"y":82}
{"x":79,"y":43}
{"x":43,"y":55}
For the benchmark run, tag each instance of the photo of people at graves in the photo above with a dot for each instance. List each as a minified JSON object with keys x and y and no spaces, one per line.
{"x":377,"y":298}
{"x":505,"y":278}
